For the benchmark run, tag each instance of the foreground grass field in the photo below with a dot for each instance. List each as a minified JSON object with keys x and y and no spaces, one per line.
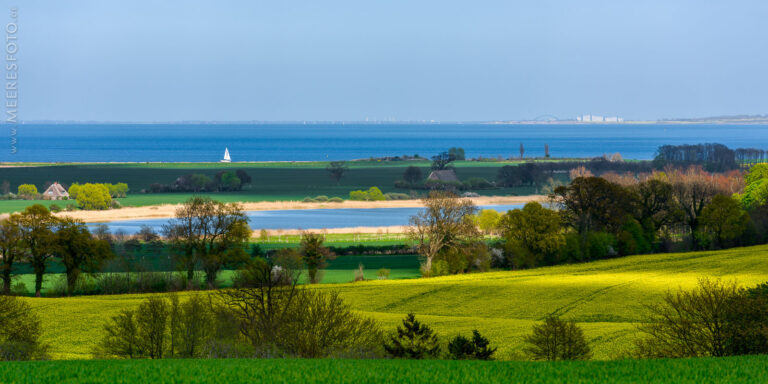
{"x":743,"y":369}
{"x":271,"y":181}
{"x":604,"y":297}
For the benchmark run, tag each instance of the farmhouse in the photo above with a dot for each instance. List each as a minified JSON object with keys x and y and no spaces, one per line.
{"x":446,"y":175}
{"x":55,"y":192}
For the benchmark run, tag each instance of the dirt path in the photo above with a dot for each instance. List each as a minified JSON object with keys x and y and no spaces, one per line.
{"x":168,"y":210}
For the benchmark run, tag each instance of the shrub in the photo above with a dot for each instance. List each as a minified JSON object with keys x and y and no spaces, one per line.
{"x":54,"y":208}
{"x":335,"y":200}
{"x":309,"y":200}
{"x":359,"y":275}
{"x":27,"y":191}
{"x":396,"y":196}
{"x":323,"y":325}
{"x":20,"y":331}
{"x":557,"y":339}
{"x":747,"y":322}
{"x":689,"y":323}
{"x":412,"y":340}
{"x":321,"y":198}
{"x":383,"y":274}
{"x":372,"y":194}
{"x":159,"y":327}
{"x":461,"y":348}
{"x":93,"y":197}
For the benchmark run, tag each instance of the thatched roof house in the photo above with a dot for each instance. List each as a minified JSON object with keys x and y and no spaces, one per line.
{"x":55,"y":192}
{"x":445,"y":176}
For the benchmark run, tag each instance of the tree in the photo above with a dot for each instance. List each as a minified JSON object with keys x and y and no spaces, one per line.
{"x":461,"y":348}
{"x":196,"y":182}
{"x":27,"y":191}
{"x":11,"y":248}
{"x":228,"y":181}
{"x":413,"y":340}
{"x":159,"y":327}
{"x":446,"y":222}
{"x":457,"y":153}
{"x":656,"y":202}
{"x":412,"y":175}
{"x":36,"y":224}
{"x":151,"y":323}
{"x":20,"y":331}
{"x":693,"y":190}
{"x":531,"y":234}
{"x":689,"y":323}
{"x":78,"y":251}
{"x":723,"y":220}
{"x":275,"y":317}
{"x":488,"y":220}
{"x":557,"y":339}
{"x":121,"y":337}
{"x":93,"y":197}
{"x":147,"y":234}
{"x":208,"y":232}
{"x":336,"y":170}
{"x":756,"y":188}
{"x":522,"y":150}
{"x":441,"y":161}
{"x":314,"y":254}
{"x":592,"y":204}
{"x":244,"y":177}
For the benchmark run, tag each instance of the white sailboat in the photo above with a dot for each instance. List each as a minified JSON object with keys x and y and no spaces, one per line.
{"x":226,"y":158}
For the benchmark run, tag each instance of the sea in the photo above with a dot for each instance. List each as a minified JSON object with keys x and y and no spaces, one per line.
{"x":313,"y":142}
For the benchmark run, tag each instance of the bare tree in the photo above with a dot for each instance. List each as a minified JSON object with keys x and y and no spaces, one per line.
{"x":445,"y":222}
{"x":208,"y":232}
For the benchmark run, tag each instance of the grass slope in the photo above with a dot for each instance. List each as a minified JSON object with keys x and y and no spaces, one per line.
{"x":743,"y":369}
{"x":605,"y":297}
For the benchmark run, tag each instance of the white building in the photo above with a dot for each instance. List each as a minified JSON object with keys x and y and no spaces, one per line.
{"x":599,"y":119}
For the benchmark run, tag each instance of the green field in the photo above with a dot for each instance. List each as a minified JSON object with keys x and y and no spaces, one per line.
{"x":742,"y":369}
{"x":340,"y":270}
{"x":605,"y":297}
{"x":271,"y":181}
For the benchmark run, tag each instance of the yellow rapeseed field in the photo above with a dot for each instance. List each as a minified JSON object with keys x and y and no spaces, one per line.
{"x":605,"y":297}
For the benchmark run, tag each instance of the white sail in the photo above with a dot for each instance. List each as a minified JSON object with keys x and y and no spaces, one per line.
{"x":226,"y":159}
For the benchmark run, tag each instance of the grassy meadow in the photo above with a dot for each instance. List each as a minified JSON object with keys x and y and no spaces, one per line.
{"x":271,"y":181}
{"x":742,"y":369}
{"x":605,"y":297}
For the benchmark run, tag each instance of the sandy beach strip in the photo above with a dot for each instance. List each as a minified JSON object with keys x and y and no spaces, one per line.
{"x":168,"y":210}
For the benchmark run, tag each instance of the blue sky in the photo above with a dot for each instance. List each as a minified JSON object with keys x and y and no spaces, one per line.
{"x":408,"y":60}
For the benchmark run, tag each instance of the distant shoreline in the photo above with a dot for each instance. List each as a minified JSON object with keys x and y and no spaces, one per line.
{"x":746,"y":120}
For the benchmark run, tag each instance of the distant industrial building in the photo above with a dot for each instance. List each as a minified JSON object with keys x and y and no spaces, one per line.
{"x":599,"y":119}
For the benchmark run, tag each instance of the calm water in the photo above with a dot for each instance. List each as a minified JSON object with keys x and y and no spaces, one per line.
{"x":310,"y":218}
{"x":286,"y":142}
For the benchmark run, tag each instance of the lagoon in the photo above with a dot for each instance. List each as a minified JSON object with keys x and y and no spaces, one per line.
{"x":308,"y":218}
